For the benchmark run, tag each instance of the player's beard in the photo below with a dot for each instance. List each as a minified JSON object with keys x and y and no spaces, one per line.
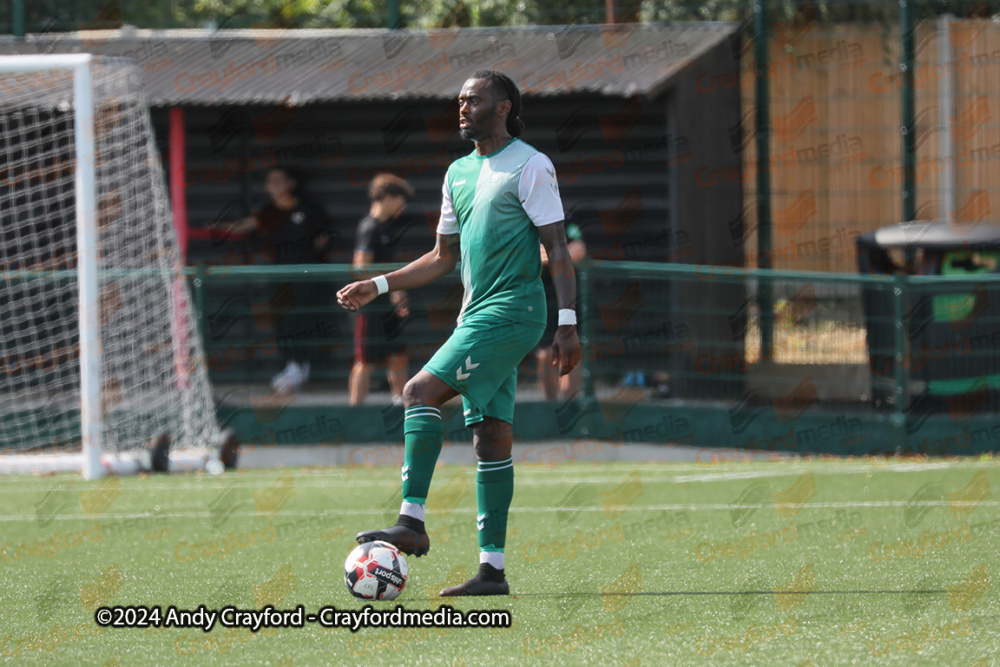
{"x":476,"y":131}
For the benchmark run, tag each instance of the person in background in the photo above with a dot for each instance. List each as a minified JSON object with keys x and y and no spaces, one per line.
{"x":552,"y":386}
{"x":377,"y":338}
{"x":293,"y":231}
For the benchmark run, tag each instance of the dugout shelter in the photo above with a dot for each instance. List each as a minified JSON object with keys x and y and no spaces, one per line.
{"x":639,"y":121}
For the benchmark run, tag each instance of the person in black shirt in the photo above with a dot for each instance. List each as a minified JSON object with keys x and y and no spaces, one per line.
{"x":294,"y":230}
{"x":291,"y":230}
{"x":377,"y":338}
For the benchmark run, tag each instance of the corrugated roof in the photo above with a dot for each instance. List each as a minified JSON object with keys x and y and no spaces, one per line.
{"x":266,"y":66}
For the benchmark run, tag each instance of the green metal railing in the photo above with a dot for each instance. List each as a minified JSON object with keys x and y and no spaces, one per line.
{"x":856,"y":362}
{"x":672,"y":353}
{"x":697,"y":327}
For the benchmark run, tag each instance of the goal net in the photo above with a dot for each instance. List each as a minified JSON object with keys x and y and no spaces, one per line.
{"x":99,"y":351}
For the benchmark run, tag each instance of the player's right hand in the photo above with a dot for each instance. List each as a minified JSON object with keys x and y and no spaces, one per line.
{"x":357,"y":294}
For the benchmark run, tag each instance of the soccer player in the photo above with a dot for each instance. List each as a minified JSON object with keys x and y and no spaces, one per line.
{"x":498,"y":202}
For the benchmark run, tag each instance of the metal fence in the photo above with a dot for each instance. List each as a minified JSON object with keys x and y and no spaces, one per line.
{"x":849,"y":353}
{"x":839,"y":141}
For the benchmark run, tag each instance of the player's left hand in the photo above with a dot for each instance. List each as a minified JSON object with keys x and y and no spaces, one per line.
{"x":566,"y":349}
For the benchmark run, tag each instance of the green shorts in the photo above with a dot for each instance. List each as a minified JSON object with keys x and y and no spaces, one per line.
{"x":479,"y":361}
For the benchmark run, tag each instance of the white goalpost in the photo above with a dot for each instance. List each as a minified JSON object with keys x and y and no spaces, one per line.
{"x":101,"y":357}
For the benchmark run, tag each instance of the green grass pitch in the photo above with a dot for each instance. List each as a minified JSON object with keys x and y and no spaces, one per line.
{"x":806,"y":562}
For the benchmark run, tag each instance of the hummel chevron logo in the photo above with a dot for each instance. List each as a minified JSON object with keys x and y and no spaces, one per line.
{"x":468,"y":369}
{"x":406,"y":473}
{"x":480,"y":521}
{"x":461,"y":182}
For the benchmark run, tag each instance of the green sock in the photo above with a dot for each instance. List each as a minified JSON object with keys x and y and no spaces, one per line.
{"x":423,"y":435}
{"x":494,"y":491}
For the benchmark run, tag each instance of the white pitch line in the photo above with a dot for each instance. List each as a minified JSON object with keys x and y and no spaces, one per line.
{"x":750,"y":474}
{"x":264,"y":484}
{"x":259,"y":484}
{"x":513,"y":510}
{"x":312,"y":481}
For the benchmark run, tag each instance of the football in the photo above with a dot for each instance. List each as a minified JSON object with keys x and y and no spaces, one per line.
{"x":375,"y":571}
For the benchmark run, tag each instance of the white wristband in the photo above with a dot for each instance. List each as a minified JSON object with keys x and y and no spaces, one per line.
{"x":381,"y":283}
{"x":567,"y":316}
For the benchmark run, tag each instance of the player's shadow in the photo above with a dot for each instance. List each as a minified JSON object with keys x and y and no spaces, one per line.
{"x":727,"y":593}
{"x":572,"y":594}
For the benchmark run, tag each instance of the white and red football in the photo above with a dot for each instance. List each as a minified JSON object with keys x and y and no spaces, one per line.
{"x":375,"y":571}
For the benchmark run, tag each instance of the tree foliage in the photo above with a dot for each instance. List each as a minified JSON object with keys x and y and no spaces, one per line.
{"x":56,"y":15}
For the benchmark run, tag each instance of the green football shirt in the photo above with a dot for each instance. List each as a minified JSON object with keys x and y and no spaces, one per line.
{"x":495,"y":203}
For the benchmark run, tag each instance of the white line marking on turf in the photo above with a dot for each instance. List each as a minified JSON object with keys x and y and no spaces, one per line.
{"x":750,"y":474}
{"x":265,"y":482}
{"x":513,"y":510}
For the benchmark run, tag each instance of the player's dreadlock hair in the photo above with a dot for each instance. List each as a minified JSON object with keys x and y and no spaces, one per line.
{"x":505,"y":89}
